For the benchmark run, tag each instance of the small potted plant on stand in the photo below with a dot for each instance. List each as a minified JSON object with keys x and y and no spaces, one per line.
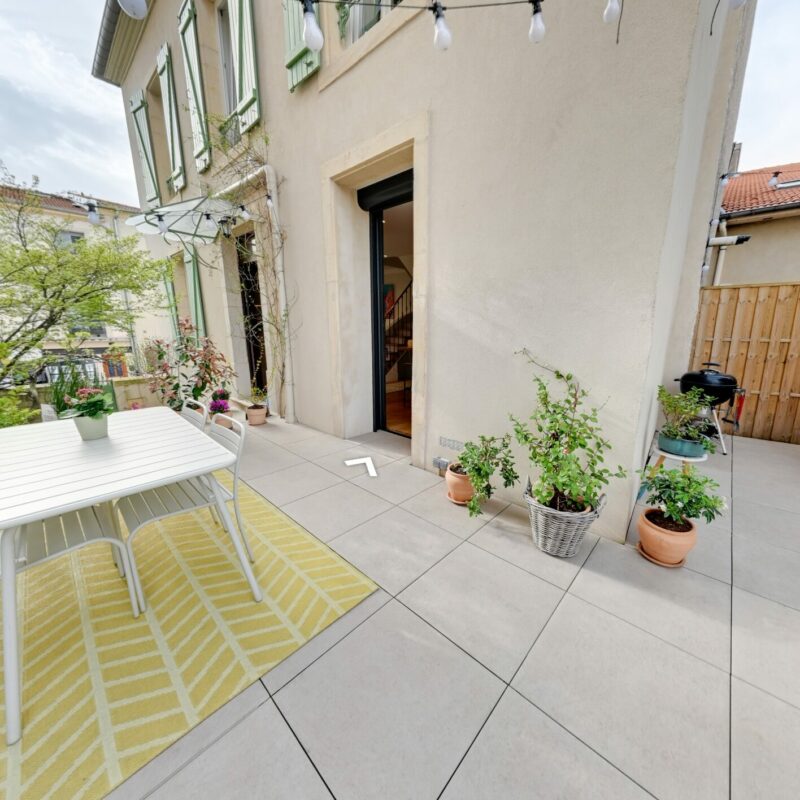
{"x":257,"y":413}
{"x":565,"y":447}
{"x":680,"y":435}
{"x":676,"y":497}
{"x":90,"y":409}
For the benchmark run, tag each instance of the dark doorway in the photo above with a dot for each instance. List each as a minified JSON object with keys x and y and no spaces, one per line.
{"x":390,"y":205}
{"x":251,"y":310}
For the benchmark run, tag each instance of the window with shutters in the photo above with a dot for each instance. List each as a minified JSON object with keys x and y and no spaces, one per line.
{"x":143,"y":135}
{"x":172,"y":129}
{"x":356,"y":18}
{"x":301,"y":63}
{"x":201,"y":143}
{"x":239,"y":67}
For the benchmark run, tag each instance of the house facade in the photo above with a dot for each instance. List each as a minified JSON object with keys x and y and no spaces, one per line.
{"x":763,"y":204}
{"x":440,"y":211}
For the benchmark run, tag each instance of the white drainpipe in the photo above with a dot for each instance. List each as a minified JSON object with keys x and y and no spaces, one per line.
{"x":267,"y":173}
{"x":723,"y":231}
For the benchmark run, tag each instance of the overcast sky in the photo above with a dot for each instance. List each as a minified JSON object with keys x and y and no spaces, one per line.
{"x":59,"y":123}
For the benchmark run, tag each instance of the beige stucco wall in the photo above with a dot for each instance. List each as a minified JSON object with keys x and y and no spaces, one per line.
{"x":556,"y":189}
{"x":771,"y":256}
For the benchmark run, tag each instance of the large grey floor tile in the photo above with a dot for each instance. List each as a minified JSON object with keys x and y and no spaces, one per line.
{"x":688,"y":610}
{"x":769,"y":571}
{"x":521,"y":754}
{"x":322,"y":444}
{"x":398,"y":481}
{"x":711,"y":555}
{"x":765,"y":746}
{"x":292,"y":666}
{"x":192,"y":744}
{"x":390,"y":710}
{"x":384,"y":442}
{"x":656,"y":712}
{"x":767,"y":524}
{"x":394,"y":548}
{"x":485,"y":605}
{"x":766,"y":645}
{"x":261,"y":457}
{"x":334,"y":462}
{"x":508,"y":535}
{"x":259,"y":757}
{"x":333,"y":511}
{"x":288,"y":485}
{"x":433,"y":505}
{"x":276,"y":430}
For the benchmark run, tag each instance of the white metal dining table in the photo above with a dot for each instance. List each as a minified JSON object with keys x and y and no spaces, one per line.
{"x":47,"y":470}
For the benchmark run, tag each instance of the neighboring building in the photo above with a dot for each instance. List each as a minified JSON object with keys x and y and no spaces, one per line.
{"x":553,"y":196}
{"x":770,"y":215}
{"x":70,"y":212}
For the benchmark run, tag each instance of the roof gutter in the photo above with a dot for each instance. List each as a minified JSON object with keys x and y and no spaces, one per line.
{"x":108,"y":27}
{"x":756,"y":212}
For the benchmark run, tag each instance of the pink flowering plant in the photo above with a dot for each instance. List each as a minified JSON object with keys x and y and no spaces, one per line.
{"x":219,"y":407}
{"x":187,"y":368}
{"x":89,"y":401}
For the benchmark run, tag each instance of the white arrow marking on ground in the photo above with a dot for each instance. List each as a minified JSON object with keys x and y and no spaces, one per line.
{"x":373,"y":473}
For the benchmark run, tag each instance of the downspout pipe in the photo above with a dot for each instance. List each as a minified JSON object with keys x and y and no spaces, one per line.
{"x":268,"y":175}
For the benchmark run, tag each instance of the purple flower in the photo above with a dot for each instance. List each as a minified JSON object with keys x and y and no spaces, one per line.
{"x":218,"y":406}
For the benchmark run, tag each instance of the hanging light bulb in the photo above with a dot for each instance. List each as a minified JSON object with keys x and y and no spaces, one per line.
{"x":93,"y":215}
{"x":134,"y":8}
{"x":312,"y":33}
{"x":537,"y":30}
{"x":737,"y":4}
{"x":442,"y":38}
{"x":208,"y":227}
{"x":244,"y":214}
{"x":612,"y":12}
{"x":773,"y":181}
{"x":162,"y":223}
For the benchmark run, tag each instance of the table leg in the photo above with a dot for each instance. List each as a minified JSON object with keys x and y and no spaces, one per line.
{"x":227,"y":522}
{"x":11,"y":664}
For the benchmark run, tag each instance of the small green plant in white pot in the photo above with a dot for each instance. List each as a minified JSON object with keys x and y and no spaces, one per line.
{"x":89,"y":408}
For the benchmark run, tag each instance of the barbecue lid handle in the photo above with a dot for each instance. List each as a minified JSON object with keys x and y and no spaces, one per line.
{"x":711,"y":364}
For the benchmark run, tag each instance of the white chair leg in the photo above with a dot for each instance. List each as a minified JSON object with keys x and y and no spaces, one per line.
{"x":11,"y":650}
{"x":243,"y":530}
{"x":123,"y":560}
{"x":214,"y":515}
{"x":227,"y":523}
{"x":117,"y":535}
{"x":135,"y":573}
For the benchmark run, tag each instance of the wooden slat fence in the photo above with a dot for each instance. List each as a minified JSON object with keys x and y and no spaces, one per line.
{"x":753,"y":331}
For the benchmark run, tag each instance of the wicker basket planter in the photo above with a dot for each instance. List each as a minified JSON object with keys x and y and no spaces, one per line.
{"x":559,"y":533}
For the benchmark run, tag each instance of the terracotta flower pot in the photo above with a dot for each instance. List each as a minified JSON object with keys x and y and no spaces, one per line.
{"x":221,"y":419}
{"x":256,"y":415}
{"x":459,"y":488}
{"x":662,"y":546}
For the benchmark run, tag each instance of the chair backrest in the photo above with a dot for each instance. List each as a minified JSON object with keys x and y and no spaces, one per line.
{"x":195,"y":412}
{"x":229,"y":432}
{"x":49,"y":413}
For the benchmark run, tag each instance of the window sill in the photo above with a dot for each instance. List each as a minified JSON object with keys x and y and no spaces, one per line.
{"x":373,"y":38}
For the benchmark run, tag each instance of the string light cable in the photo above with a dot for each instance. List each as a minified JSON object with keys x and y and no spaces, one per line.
{"x":442,"y":36}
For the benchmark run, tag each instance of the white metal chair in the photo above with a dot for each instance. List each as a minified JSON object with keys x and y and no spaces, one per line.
{"x":195,"y":412}
{"x":184,"y":496}
{"x":44,"y":540}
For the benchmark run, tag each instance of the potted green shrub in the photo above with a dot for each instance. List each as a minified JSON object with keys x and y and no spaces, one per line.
{"x":680,"y":435}
{"x":90,"y":409}
{"x":469,"y":478}
{"x":675,"y":497}
{"x":256,"y":413}
{"x":565,"y":450}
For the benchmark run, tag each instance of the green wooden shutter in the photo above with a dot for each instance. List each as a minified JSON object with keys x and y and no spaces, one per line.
{"x":177,"y":179}
{"x":193,"y":290}
{"x":245,"y":67}
{"x":144,"y":144}
{"x":301,"y":62}
{"x":172,"y":304}
{"x":194,"y":85}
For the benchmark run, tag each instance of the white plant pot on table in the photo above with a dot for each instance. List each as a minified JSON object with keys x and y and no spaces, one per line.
{"x":92,"y":427}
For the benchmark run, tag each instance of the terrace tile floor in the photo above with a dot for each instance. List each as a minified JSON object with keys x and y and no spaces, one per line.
{"x":485,"y":669}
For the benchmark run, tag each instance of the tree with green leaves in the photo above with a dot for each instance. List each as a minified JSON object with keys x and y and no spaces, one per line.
{"x":50,"y":286}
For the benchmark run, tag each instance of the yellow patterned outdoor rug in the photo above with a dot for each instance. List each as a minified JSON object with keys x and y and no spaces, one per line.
{"x":104,"y":693}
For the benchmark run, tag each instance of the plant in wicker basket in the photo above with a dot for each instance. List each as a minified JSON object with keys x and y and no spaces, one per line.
{"x":566,"y":451}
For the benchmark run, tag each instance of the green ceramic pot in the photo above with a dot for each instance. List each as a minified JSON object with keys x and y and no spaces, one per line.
{"x":687,"y":448}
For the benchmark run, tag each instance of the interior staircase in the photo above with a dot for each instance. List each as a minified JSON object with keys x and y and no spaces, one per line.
{"x":398,"y":333}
